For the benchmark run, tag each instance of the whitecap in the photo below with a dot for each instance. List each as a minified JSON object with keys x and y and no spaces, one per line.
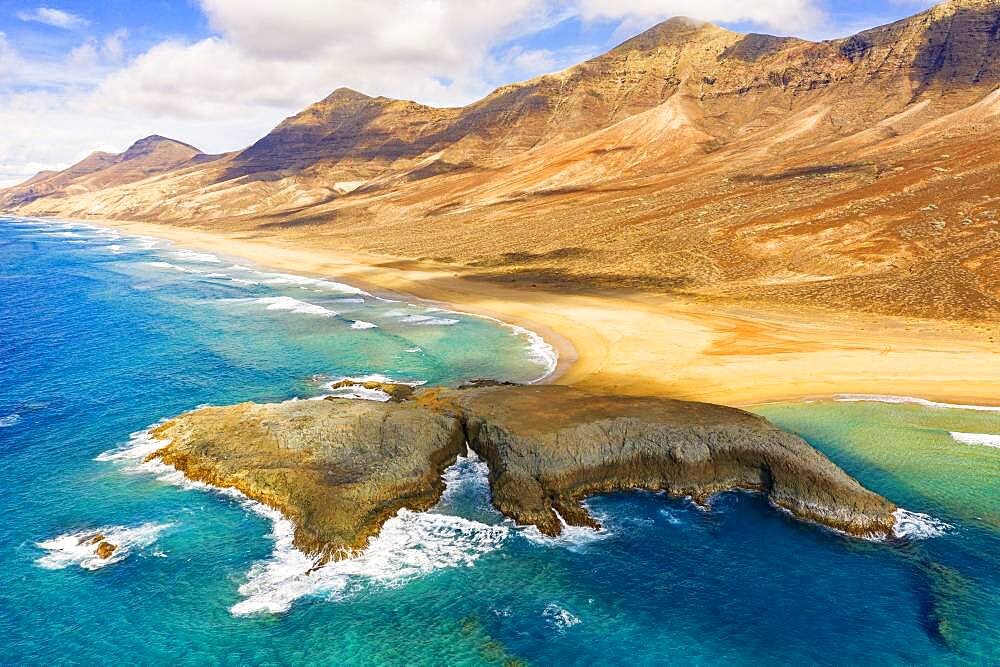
{"x":410,"y":545}
{"x":878,"y":398}
{"x":374,"y":377}
{"x":140,"y":445}
{"x":361,"y":324}
{"x":358,"y":393}
{"x":356,"y":390}
{"x":145,"y":242}
{"x":79,"y":548}
{"x":428,"y":320}
{"x":573,"y":538}
{"x":413,"y":350}
{"x":192,"y":256}
{"x":351,"y":299}
{"x":288,"y":304}
{"x":983,"y":439}
{"x":9,"y":420}
{"x":291,"y":279}
{"x":558,"y":618}
{"x":168,"y":265}
{"x":917,"y":526}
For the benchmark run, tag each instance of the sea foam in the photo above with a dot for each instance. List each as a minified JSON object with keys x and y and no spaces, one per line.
{"x":287,"y":303}
{"x":268,"y":278}
{"x":428,"y":321}
{"x":559,"y":619}
{"x":9,"y":420}
{"x":878,"y":398}
{"x":917,"y":526}
{"x":572,"y":538}
{"x":75,"y":548}
{"x":192,"y":256}
{"x":410,"y":544}
{"x":982,"y":439}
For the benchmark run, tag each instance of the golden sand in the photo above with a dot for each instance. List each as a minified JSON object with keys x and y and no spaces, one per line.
{"x":659,"y":345}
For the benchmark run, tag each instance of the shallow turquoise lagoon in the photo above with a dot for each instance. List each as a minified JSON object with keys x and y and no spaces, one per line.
{"x":102,"y":335}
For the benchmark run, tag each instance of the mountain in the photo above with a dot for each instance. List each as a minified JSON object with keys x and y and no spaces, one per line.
{"x":146,"y":157}
{"x":856,"y":173}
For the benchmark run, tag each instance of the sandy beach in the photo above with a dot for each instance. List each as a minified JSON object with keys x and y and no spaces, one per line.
{"x":645,"y":344}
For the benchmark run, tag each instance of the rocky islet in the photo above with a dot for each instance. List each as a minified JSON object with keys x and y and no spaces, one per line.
{"x":338,"y":469}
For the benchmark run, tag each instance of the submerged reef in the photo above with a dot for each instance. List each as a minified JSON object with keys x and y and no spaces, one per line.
{"x":338,"y":469}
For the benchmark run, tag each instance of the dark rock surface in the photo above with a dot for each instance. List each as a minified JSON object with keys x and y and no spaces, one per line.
{"x":548,"y":447}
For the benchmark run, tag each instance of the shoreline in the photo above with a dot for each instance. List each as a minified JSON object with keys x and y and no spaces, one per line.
{"x":647,"y":344}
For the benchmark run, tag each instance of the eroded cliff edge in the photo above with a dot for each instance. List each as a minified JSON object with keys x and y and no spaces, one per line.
{"x":340,"y":468}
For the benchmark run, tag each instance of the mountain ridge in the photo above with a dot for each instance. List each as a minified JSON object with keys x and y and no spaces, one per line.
{"x":688,"y":158}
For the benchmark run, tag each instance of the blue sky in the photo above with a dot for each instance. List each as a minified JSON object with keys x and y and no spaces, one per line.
{"x":78,"y":76}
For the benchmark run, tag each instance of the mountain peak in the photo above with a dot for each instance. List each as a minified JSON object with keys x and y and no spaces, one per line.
{"x":153,"y":142}
{"x":675,"y":31}
{"x":344,"y":94}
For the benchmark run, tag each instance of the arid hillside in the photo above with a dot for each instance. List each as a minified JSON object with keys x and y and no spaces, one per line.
{"x":860,"y":173}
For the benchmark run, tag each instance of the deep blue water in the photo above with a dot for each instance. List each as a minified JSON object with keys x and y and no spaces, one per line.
{"x":102,"y":336}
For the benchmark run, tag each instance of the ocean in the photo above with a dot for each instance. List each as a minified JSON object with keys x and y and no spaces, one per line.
{"x":103,"y":334}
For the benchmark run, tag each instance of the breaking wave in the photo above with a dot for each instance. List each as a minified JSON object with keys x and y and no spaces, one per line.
{"x":917,"y":526}
{"x":982,"y":439}
{"x":878,"y":398}
{"x":192,"y":256}
{"x":573,"y":538}
{"x":410,"y":545}
{"x":288,"y":304}
{"x":80,"y":548}
{"x":428,"y":321}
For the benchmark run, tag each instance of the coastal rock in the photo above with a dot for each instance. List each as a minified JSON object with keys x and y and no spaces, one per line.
{"x":338,"y":469}
{"x":105,"y":549}
{"x":548,"y":447}
{"x":395,"y":391}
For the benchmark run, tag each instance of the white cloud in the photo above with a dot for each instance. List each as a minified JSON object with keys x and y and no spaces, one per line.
{"x":113,"y":46}
{"x":84,"y":55}
{"x":53,"y":17}
{"x":8,"y":59}
{"x":108,"y":51}
{"x":793,"y":16}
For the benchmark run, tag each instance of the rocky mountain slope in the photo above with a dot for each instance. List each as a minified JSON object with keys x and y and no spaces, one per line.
{"x":99,"y":171}
{"x":857,"y":173}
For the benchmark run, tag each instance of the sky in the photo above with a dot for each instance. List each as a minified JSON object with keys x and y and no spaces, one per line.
{"x":78,"y":76}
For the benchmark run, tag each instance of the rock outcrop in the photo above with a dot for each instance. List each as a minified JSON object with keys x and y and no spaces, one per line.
{"x":337,"y":469}
{"x":340,"y":468}
{"x":104,"y":549}
{"x":548,"y":447}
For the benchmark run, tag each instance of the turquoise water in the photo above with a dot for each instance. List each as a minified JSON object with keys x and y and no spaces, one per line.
{"x":101,"y":336}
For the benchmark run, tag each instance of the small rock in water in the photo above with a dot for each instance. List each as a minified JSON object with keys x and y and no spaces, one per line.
{"x":105,"y":549}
